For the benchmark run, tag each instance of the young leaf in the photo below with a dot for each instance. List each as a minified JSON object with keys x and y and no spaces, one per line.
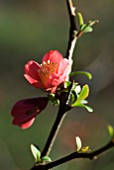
{"x":78,"y":143}
{"x":91,"y":23}
{"x":84,"y":101}
{"x":81,"y":21}
{"x":82,"y":28}
{"x":67,"y":84}
{"x":89,"y":109}
{"x":87,"y":74}
{"x":36,"y":153}
{"x":79,"y":104}
{"x":85,"y":149}
{"x":87,"y":29}
{"x":53,"y":99}
{"x":46,"y":159}
{"x":84,"y":93}
{"x":111,"y":131}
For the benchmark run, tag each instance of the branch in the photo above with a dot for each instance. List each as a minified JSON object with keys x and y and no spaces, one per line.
{"x":73,"y":31}
{"x":63,"y":109}
{"x":64,"y":99}
{"x":89,"y":155}
{"x":54,"y":132}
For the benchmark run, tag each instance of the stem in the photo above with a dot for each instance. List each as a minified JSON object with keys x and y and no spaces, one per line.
{"x":63,"y":103}
{"x":71,"y":45}
{"x":53,"y":133}
{"x":73,"y":31}
{"x":63,"y":109}
{"x":89,"y":155}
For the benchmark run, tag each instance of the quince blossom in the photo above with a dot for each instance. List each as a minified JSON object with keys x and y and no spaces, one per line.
{"x":47,"y":76}
{"x":25,"y":111}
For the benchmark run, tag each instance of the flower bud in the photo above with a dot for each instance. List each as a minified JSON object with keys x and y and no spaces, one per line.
{"x":26,"y":110}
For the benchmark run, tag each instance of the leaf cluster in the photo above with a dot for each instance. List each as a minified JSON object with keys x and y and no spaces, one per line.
{"x":37,"y":155}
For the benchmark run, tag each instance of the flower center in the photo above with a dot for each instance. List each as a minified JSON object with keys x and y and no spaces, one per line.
{"x":47,"y":69}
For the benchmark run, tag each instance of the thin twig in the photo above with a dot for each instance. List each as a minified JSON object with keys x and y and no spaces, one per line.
{"x":73,"y":31}
{"x":74,"y":155}
{"x":55,"y":129}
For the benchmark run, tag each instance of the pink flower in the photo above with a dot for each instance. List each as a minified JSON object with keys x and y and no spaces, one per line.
{"x":53,"y":71}
{"x":25,"y":111}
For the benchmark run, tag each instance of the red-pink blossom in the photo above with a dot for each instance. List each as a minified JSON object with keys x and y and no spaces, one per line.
{"x":25,"y":111}
{"x":53,"y":71}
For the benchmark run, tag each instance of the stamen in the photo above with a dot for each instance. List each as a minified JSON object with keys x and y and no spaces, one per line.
{"x":46,"y":70}
{"x":44,"y":63}
{"x":48,"y":61}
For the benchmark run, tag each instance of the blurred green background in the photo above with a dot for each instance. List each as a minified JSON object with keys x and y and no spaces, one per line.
{"x":28,"y":29}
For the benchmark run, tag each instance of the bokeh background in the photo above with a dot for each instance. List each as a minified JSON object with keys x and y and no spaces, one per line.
{"x":28,"y":29}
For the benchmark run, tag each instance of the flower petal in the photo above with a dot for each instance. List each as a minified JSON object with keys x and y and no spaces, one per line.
{"x":62,"y":73}
{"x":64,"y":65}
{"x":25,"y":125}
{"x":31,"y":69}
{"x":53,"y":56}
{"x":34,"y":82}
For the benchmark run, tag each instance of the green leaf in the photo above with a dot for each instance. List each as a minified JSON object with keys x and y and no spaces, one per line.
{"x":84,"y":101}
{"x":67,"y":84}
{"x":84,"y":93}
{"x":36,"y":153}
{"x":91,"y":23}
{"x":79,"y":104}
{"x":51,"y":96}
{"x":53,"y":99}
{"x":111,"y":131}
{"x":87,"y":29}
{"x":56,"y":102}
{"x":89,"y":109}
{"x":46,"y":159}
{"x":78,"y":143}
{"x":83,"y":27}
{"x":81,"y":21}
{"x":85,"y":149}
{"x":87,"y":74}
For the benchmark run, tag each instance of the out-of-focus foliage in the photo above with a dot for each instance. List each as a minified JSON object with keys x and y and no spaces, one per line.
{"x":28,"y":29}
